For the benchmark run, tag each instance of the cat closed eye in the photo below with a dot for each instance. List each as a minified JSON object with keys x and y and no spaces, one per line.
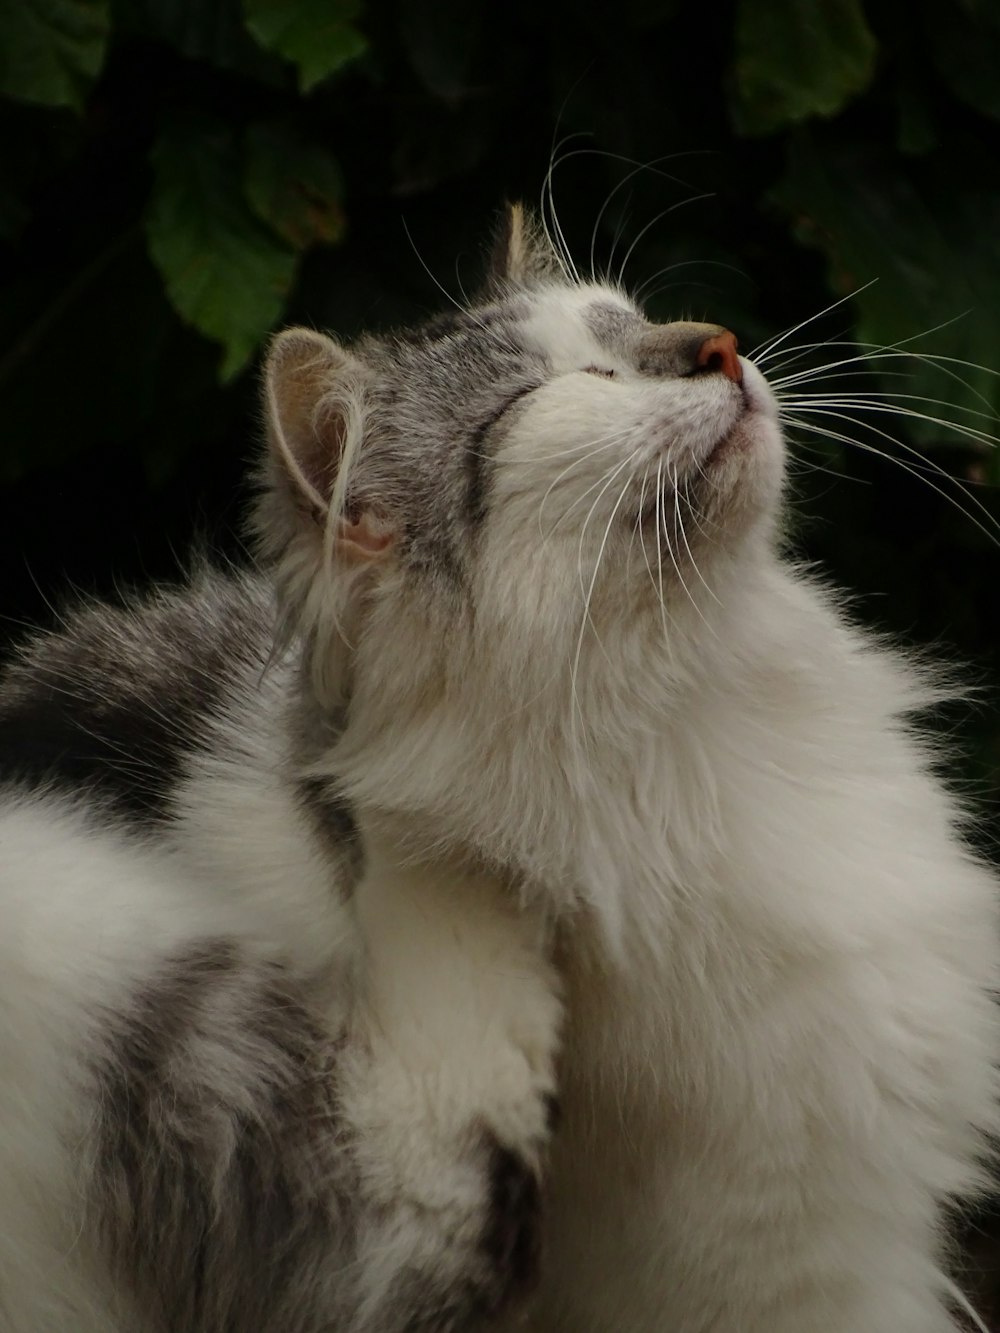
{"x":599,"y":370}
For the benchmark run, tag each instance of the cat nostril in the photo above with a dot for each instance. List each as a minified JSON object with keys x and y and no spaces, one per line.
{"x":719,"y":353}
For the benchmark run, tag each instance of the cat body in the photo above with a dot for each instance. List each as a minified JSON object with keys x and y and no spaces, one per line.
{"x":528,"y":773}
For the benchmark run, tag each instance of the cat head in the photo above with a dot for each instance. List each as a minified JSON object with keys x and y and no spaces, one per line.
{"x":514,"y":475}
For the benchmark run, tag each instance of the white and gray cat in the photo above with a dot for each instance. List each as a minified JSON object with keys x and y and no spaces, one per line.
{"x":526,"y":776}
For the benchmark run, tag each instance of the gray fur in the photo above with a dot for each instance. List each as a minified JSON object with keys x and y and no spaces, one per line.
{"x":222,"y":1187}
{"x":437,"y":397}
{"x":112,"y":704}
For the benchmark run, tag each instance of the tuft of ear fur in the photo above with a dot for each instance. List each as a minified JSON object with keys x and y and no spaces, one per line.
{"x":314,"y":407}
{"x":522,"y":253}
{"x":307,"y":415}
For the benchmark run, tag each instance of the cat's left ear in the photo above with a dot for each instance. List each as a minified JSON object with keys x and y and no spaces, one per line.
{"x":521,"y":253}
{"x":314,"y":405}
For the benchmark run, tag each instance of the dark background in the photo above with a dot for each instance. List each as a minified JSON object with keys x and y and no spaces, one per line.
{"x":179,"y":177}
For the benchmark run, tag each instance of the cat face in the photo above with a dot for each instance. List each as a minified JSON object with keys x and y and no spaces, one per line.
{"x":508,"y":471}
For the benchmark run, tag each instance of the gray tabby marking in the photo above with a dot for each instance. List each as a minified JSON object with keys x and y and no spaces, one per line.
{"x":113,"y":705}
{"x":221,"y":1182}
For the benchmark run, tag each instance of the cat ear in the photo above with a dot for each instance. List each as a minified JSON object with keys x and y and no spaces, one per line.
{"x":522,"y":254}
{"x":313,"y":392}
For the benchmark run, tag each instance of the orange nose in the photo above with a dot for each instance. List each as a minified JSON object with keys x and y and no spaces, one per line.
{"x":719,"y":353}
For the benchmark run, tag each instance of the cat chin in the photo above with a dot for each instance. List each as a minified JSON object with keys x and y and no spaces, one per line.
{"x":740,"y":480}
{"x":754,"y":434}
{"x":756,"y":429}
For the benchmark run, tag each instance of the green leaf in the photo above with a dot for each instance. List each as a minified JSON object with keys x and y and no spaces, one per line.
{"x":212,"y":31}
{"x":798,"y":58}
{"x":293,"y":186}
{"x":224,"y":272}
{"x":963,"y":38}
{"x":51,"y":49}
{"x":442,"y":38}
{"x":318,"y":36}
{"x":925,"y":240}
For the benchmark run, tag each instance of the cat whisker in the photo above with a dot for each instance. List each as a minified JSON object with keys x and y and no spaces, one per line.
{"x":547,"y":211}
{"x":637,"y":169}
{"x":658,"y":514}
{"x":698,"y":518}
{"x":862,"y":365}
{"x":607,"y":444}
{"x":891,"y":404}
{"x":979,"y":438}
{"x":872,"y":352}
{"x":766,"y":349}
{"x":636,"y":528}
{"x":559,"y":158}
{"x":796,"y":352}
{"x":584,"y":447}
{"x":694,"y":199}
{"x":641,"y":291}
{"x":910,"y":468}
{"x":433,"y":277}
{"x":920,"y":468}
{"x":678,"y":525}
{"x":642,"y":544}
{"x":681,"y":527}
{"x":589,"y":591}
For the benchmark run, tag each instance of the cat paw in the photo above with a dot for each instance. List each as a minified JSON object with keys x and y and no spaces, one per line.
{"x":450,"y":1163}
{"x":446,"y":1093}
{"x":459,"y":1256}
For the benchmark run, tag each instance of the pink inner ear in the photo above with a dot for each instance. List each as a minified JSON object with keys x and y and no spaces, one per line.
{"x":363,"y":538}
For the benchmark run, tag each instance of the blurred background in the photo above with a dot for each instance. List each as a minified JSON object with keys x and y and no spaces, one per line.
{"x":180,"y":177}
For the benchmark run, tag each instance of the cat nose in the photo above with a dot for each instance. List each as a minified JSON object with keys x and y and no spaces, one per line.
{"x":719,"y":353}
{"x":685,"y":348}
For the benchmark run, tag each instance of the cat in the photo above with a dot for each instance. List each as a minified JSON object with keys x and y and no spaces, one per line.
{"x":523,"y":901}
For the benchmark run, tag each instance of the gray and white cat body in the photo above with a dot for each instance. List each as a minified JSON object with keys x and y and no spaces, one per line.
{"x":548,"y":782}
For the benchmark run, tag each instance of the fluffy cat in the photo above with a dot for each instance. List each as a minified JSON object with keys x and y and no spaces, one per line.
{"x":523,"y":902}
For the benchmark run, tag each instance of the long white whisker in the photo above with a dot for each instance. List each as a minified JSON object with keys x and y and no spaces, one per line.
{"x":673,"y":558}
{"x":871,"y":352}
{"x":559,"y":453}
{"x":562,"y":476}
{"x":638,"y":167}
{"x":659,"y":218}
{"x":636,"y":529}
{"x":765,"y":350}
{"x":898,"y":342}
{"x":924,"y":464}
{"x":658,"y":514}
{"x":436,"y":281}
{"x":905,"y":466}
{"x":645,"y":553}
{"x":639,"y":294}
{"x":548,"y":193}
{"x":679,"y":524}
{"x":698,"y":518}
{"x":976,"y":437}
{"x":901,"y":345}
{"x":881,"y":404}
{"x":588,"y":592}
